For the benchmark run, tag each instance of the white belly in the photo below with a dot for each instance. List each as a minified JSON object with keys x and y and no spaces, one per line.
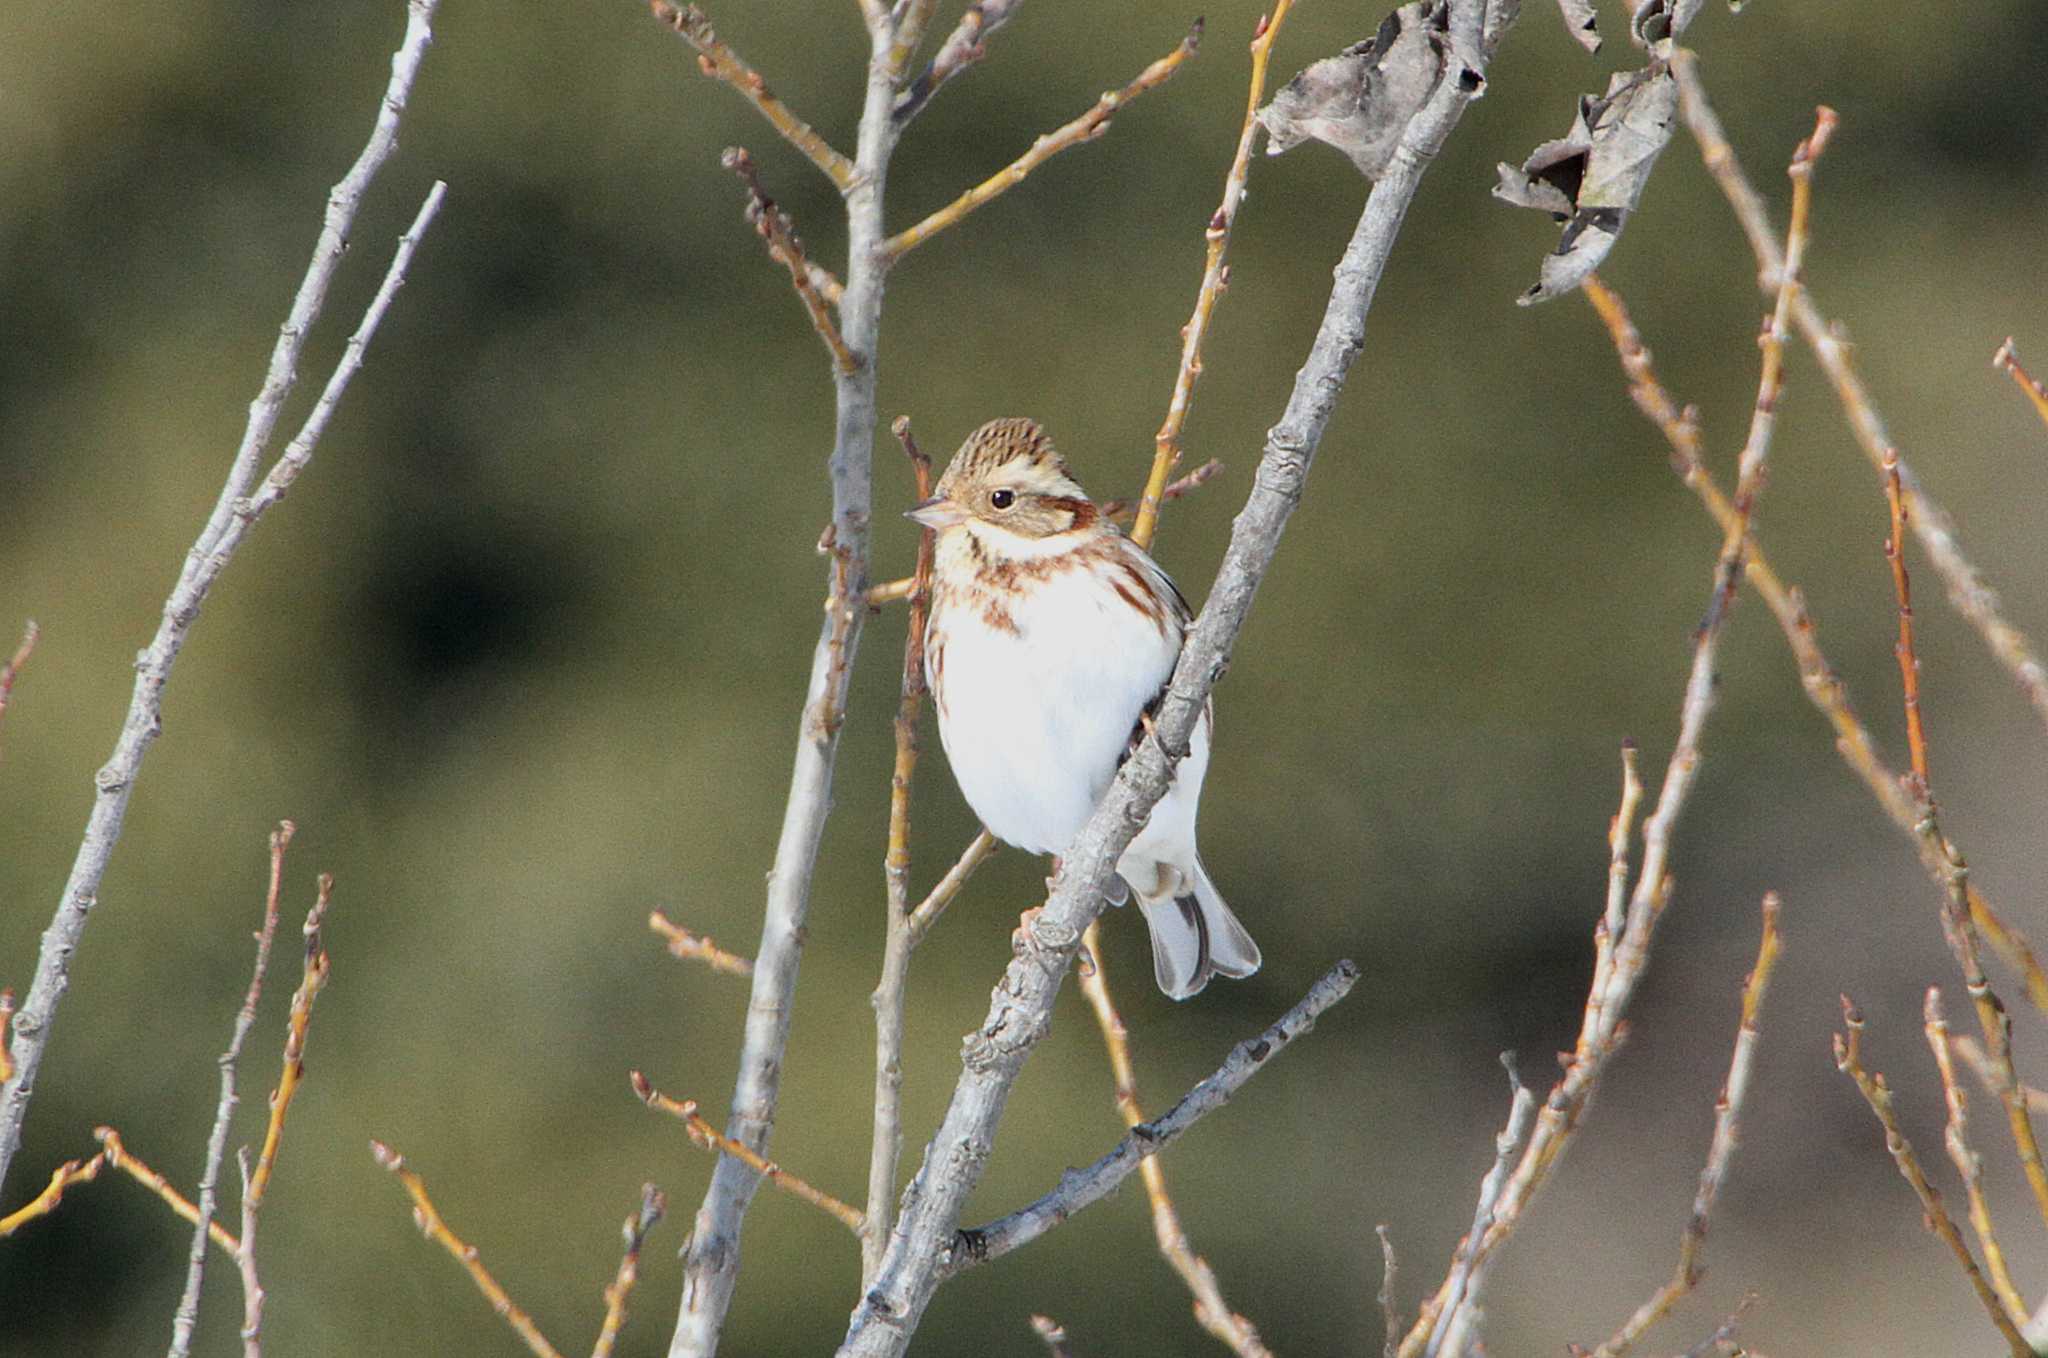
{"x":1034,"y":723}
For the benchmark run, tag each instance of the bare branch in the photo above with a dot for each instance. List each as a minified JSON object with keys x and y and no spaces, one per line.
{"x":697,"y":947}
{"x":1968,"y":1163}
{"x":774,"y":227}
{"x":1967,"y":591}
{"x":8,"y":671}
{"x":1457,"y":1318}
{"x":1085,"y":128}
{"x":1212,"y":1312}
{"x":42,"y":1204}
{"x":187,"y":1317}
{"x":891,"y":1310}
{"x":721,"y":63}
{"x":234,"y":513}
{"x":1215,"y":278}
{"x":707,"y":1137}
{"x":1849,"y":1060}
{"x":961,"y":49}
{"x":1081,"y":1188}
{"x":1721,"y":1150}
{"x":428,"y":1218}
{"x":653,"y":1206}
{"x":1054,"y":1336}
{"x":978,"y":851}
{"x":2007,"y":360}
{"x":899,"y":937}
{"x":117,"y":1156}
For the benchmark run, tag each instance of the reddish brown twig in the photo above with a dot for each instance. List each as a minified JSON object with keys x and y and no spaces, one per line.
{"x":697,"y":947}
{"x":1081,"y":130}
{"x":1215,"y":278}
{"x":428,"y":1218}
{"x":1727,"y":1116}
{"x":899,"y":938}
{"x":653,"y":1205}
{"x":6,"y":1018}
{"x":772,"y":224}
{"x":1194,"y":480}
{"x":1849,"y":1060}
{"x":1909,"y":659}
{"x":721,"y":63}
{"x":707,"y":1137}
{"x":2007,"y":360}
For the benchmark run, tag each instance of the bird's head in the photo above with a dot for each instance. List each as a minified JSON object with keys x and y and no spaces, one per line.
{"x":1008,"y":482}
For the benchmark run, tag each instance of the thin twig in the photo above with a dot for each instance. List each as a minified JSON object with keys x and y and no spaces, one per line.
{"x":697,"y":947}
{"x":1979,"y":1061}
{"x":1212,"y":1312}
{"x":312,"y":979}
{"x":721,"y":63}
{"x":1727,"y":1118}
{"x":1823,"y":686}
{"x":117,"y":1156}
{"x":772,"y":224}
{"x":711,"y":1260}
{"x":1215,"y":278}
{"x":707,"y":1137}
{"x":899,"y":939}
{"x":1849,"y":1060}
{"x":1967,"y":591}
{"x":1194,"y":480}
{"x":1081,"y":1188}
{"x":961,"y":50}
{"x":8,"y":672}
{"x":2007,"y":360}
{"x":234,"y":513}
{"x":1085,"y":128}
{"x":1456,"y":1320}
{"x":42,"y":1204}
{"x":1968,"y":1163}
{"x":1909,"y":660}
{"x":1763,"y":419}
{"x":428,"y":1218}
{"x":1388,"y":1269}
{"x":187,"y":1316}
{"x":889,"y":1312}
{"x":978,"y":851}
{"x":653,"y":1206}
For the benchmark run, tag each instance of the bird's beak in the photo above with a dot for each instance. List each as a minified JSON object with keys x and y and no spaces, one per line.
{"x":937,"y":512}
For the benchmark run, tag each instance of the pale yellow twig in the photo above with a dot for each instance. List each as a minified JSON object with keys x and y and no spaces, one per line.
{"x":117,"y":1155}
{"x":1721,"y":1149}
{"x":707,"y":1137}
{"x":42,"y":1204}
{"x":2006,"y":360}
{"x":1085,"y":128}
{"x":1215,"y":277}
{"x":653,"y":1205}
{"x":978,"y":851}
{"x":720,"y":62}
{"x":1968,"y":1163}
{"x":1849,"y":1060}
{"x":1212,"y":1312}
{"x":697,"y":947}
{"x":312,"y":980}
{"x":435,"y":1229}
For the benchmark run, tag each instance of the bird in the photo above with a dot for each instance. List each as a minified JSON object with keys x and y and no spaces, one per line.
{"x":1051,"y":636}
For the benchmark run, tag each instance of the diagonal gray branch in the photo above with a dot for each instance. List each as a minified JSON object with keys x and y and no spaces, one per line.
{"x":920,"y":1251}
{"x":233,"y":515}
{"x":1079,"y":1188}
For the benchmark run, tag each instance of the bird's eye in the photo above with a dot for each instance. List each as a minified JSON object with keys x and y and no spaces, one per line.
{"x":1002,"y":499}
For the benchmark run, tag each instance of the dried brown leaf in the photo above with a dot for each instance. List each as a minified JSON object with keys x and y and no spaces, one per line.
{"x":1360,"y":100}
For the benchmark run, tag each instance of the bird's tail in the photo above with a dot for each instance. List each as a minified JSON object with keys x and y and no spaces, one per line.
{"x":1194,"y":936}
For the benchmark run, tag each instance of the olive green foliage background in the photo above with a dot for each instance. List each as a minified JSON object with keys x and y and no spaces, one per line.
{"x":523,"y":653}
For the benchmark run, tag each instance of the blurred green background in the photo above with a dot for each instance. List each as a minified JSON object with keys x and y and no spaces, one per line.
{"x":523,"y":654}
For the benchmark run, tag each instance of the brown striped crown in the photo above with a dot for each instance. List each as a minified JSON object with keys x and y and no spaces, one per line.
{"x":1009,"y":477}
